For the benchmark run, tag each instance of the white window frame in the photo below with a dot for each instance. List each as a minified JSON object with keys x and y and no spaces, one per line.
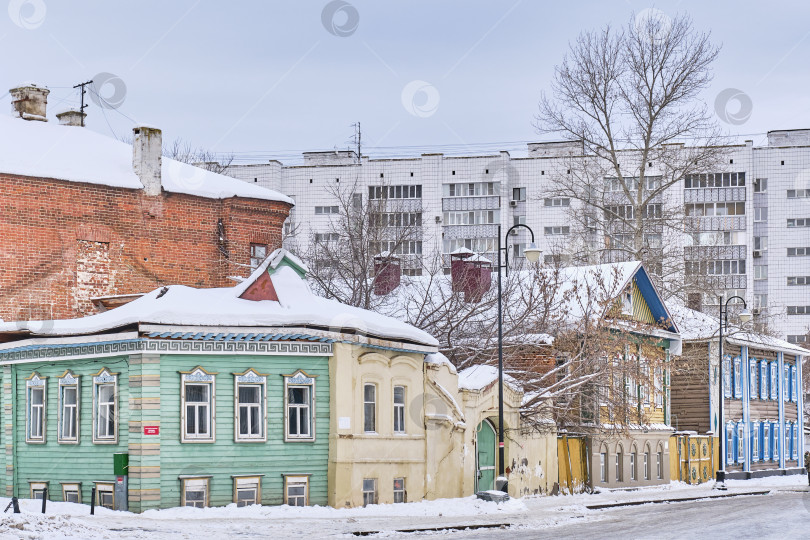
{"x":198,"y":376}
{"x":299,"y":379}
{"x":619,"y":464}
{"x":786,"y":383}
{"x":370,"y":494}
{"x":659,"y":464}
{"x":753,"y":370}
{"x":766,"y":441}
{"x":250,"y":378}
{"x":754,"y":442}
{"x":774,"y":380}
{"x":36,"y":383}
{"x":401,"y":493}
{"x":69,"y":381}
{"x":777,"y":440}
{"x":105,"y":378}
{"x":740,"y":442}
{"x":245,"y":483}
{"x":646,"y":464}
{"x":195,"y":483}
{"x":105,"y":487}
{"x":399,"y":409}
{"x":373,"y":404}
{"x":633,"y":465}
{"x":763,"y":380}
{"x":794,"y":384}
{"x":603,"y":466}
{"x":727,"y":376}
{"x":70,"y":487}
{"x":738,"y":388}
{"x":296,"y":480}
{"x":729,"y":443}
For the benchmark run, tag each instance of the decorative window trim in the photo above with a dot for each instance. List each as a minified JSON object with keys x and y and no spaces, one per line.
{"x":198,"y":375}
{"x":299,"y":379}
{"x":185,"y":480}
{"x":753,"y":371}
{"x":103,"y":378}
{"x":730,"y":431}
{"x":740,"y":442}
{"x":786,"y":383}
{"x":774,"y":380}
{"x":399,"y":408}
{"x":105,"y":487}
{"x":248,"y":479}
{"x":68,"y":380}
{"x":376,"y":403}
{"x":754,"y":442}
{"x":776,"y":433}
{"x":738,"y":387}
{"x":767,"y":442}
{"x":727,"y":376}
{"x":794,"y":384}
{"x":37,"y":486}
{"x":763,"y":380}
{"x":72,"y":486}
{"x":298,"y":478}
{"x":250,"y":377}
{"x":36,"y":381}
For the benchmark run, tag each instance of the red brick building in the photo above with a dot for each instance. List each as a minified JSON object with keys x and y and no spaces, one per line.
{"x":83,"y":216}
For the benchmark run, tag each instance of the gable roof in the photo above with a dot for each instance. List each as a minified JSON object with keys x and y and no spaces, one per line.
{"x":181,"y":306}
{"x":76,"y":154}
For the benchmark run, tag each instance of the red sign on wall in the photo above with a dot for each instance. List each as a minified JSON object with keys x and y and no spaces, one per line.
{"x":151,"y":430}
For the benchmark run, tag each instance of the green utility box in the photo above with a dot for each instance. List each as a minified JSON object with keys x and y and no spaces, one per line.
{"x":120,"y":464}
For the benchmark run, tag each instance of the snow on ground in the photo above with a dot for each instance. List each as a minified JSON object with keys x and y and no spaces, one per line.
{"x":66,"y":520}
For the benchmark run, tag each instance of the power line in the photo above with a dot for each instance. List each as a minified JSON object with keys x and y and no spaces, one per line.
{"x":83,"y":91}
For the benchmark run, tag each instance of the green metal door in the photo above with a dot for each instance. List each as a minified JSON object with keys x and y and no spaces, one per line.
{"x":486,"y":456}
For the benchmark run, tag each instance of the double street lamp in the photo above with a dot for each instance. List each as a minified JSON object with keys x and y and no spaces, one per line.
{"x":532,"y":254}
{"x":745,"y":316}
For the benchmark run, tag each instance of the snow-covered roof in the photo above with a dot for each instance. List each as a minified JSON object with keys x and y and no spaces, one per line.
{"x":179,"y":305}
{"x":75,"y":154}
{"x":698,"y":326}
{"x":440,"y":359}
{"x":480,"y":376}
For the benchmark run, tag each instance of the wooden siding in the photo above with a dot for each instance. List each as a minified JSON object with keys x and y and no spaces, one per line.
{"x":641,"y":311}
{"x":225,"y":457}
{"x":689,"y":391}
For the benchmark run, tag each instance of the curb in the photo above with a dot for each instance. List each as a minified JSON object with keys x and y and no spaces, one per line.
{"x":682,"y":499}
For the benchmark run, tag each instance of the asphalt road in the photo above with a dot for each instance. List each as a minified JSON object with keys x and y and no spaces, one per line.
{"x":781,"y":515}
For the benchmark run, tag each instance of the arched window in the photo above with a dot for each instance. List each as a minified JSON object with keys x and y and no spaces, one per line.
{"x":659,"y":462}
{"x":646,"y":461}
{"x":603,"y":463}
{"x":619,"y":463}
{"x":633,"y":454}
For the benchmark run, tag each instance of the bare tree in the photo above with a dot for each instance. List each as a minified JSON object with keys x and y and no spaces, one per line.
{"x":631,"y":97}
{"x":185,"y":152}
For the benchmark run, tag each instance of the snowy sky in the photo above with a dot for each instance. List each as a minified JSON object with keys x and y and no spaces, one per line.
{"x":271,"y":79}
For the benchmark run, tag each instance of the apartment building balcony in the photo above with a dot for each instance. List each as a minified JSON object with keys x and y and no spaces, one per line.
{"x":724,"y":194}
{"x":715,"y":223}
{"x":470,"y":231}
{"x":489,"y":202}
{"x":697,"y":253}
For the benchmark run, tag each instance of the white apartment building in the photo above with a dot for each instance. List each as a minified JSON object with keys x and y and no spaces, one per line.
{"x":756,"y":211}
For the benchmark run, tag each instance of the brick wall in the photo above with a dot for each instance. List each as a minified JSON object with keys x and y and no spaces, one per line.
{"x":62,"y":243}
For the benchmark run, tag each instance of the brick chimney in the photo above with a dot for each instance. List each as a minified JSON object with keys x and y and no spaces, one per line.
{"x":389,"y":273}
{"x":459,"y":268}
{"x":29,"y":102}
{"x":479,"y":278}
{"x":147,"y":157}
{"x":71,"y":117}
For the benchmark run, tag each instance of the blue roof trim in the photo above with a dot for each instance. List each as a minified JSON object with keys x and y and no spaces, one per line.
{"x":654,"y":302}
{"x":240,"y":337}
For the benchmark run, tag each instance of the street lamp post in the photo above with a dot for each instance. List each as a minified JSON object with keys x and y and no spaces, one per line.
{"x":745,"y":316}
{"x":532,"y":254}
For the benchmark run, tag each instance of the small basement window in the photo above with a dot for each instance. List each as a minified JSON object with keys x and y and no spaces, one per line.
{"x":105,"y":494}
{"x":72,"y":492}
{"x":195,"y":491}
{"x":296,"y":490}
{"x":247,"y":490}
{"x":38,"y":489}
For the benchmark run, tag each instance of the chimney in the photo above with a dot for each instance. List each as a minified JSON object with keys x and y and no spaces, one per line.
{"x":388,"y":271}
{"x":479,"y":278}
{"x":147,"y":157}
{"x":459,"y":268}
{"x":29,"y":102}
{"x":71,"y":117}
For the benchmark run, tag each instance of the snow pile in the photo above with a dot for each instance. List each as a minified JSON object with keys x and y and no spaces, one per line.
{"x":440,"y":359}
{"x":480,"y":376}
{"x":46,"y":150}
{"x":179,"y":305}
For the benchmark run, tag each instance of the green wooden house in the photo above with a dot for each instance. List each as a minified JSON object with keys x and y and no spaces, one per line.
{"x":198,"y":397}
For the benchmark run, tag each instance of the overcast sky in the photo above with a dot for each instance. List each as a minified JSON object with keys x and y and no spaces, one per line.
{"x":278,"y":78}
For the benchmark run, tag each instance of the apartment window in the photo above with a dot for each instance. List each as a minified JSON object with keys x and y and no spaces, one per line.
{"x":369,"y":491}
{"x":798,"y":222}
{"x":370,"y":408}
{"x":474,"y":217}
{"x":518,"y":220}
{"x":72,"y":492}
{"x":519,"y":194}
{"x":197,"y":395}
{"x":798,"y":280}
{"x":760,"y":215}
{"x":327,"y":210}
{"x":557,"y":201}
{"x":712,"y":180}
{"x":258,"y":252}
{"x":760,"y":185}
{"x":68,"y":408}
{"x":603,"y":466}
{"x":633,"y":465}
{"x":797,"y":338}
{"x":798,"y":252}
{"x":798,"y":193}
{"x":561,"y":230}
{"x":702,"y":209}
{"x":35,"y":396}
{"x":296,"y":490}
{"x":400,"y":495}
{"x":37,"y":489}
{"x":395,"y":192}
{"x":195,"y":491}
{"x":760,"y":272}
{"x":105,"y":495}
{"x":798,"y":310}
{"x":105,"y":412}
{"x":357,"y":201}
{"x":250,"y":395}
{"x":247,"y":490}
{"x":399,"y":409}
{"x":300,"y":407}
{"x":761,"y":243}
{"x":325,"y":238}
